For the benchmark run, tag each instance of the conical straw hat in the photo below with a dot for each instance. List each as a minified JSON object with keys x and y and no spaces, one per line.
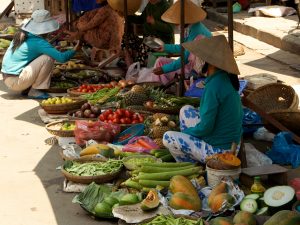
{"x":215,"y":51}
{"x":192,"y":13}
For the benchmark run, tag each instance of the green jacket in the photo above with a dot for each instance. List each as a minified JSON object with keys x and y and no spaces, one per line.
{"x":160,"y":29}
{"x":221,"y":113}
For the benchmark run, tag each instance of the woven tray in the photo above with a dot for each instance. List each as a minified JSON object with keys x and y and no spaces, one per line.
{"x":55,"y":129}
{"x":274,"y":97}
{"x":289,"y":118}
{"x":89,"y":179}
{"x":64,"y":108}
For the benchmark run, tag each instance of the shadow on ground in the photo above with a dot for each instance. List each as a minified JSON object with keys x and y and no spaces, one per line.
{"x":31,"y":116}
{"x":65,"y":211}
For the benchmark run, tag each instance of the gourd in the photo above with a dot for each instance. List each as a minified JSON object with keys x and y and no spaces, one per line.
{"x":151,"y":201}
{"x":182,"y":184}
{"x":223,"y":161}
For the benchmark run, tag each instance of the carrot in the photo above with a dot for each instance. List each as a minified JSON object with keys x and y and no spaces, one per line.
{"x":144,"y":143}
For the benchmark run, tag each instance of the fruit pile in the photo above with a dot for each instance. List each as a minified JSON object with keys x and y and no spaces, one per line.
{"x":88,"y":88}
{"x":71,"y":65}
{"x":121,"y":116}
{"x":4,"y":44}
{"x":87,"y":110}
{"x":57,"y":100}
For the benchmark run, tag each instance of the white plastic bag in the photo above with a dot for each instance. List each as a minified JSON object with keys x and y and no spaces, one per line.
{"x":133,"y":71}
{"x":255,"y":157}
{"x":145,"y":75}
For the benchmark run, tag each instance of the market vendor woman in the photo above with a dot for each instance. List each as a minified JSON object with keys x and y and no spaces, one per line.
{"x":218,"y":123}
{"x":29,"y":60}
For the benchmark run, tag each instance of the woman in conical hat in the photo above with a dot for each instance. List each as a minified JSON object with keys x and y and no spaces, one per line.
{"x":218,"y":123}
{"x":29,"y":60}
{"x":166,"y":68}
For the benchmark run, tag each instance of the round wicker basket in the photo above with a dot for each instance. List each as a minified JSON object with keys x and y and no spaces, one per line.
{"x":64,"y":108}
{"x":89,"y":179}
{"x":290,"y":118}
{"x":55,"y":129}
{"x":274,"y":97}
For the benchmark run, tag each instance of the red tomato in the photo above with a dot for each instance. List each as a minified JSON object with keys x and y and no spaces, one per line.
{"x":83,"y":86}
{"x":109,"y":86}
{"x":110,"y":116}
{"x":116,"y":120}
{"x":122,"y":121}
{"x":141,"y":118}
{"x":127,"y":120}
{"x":128,"y":113}
{"x":102,"y":117}
{"x":135,"y":116}
{"x":105,"y":121}
{"x":135,"y":121}
{"x":84,"y":90}
{"x":119,"y":112}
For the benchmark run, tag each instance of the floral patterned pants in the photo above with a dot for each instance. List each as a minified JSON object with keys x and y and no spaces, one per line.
{"x":185,"y":147}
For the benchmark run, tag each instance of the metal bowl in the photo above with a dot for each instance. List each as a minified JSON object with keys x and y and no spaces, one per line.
{"x":153,"y":42}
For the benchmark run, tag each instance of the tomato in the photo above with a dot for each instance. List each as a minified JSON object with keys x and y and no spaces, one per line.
{"x":83,"y":86}
{"x":135,"y":121}
{"x":105,"y":121}
{"x":127,"y":120}
{"x":119,"y":112}
{"x":110,"y":116}
{"x":84,"y":90}
{"x":102,"y":117}
{"x":122,"y":121}
{"x":128,"y":113}
{"x":135,"y":116}
{"x":116,"y":120}
{"x":109,"y":86}
{"x":141,"y":118}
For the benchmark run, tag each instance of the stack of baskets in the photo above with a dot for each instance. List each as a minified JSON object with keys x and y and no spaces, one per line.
{"x":281,"y":102}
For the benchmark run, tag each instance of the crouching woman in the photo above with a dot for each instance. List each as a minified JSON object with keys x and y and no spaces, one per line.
{"x":218,"y":123}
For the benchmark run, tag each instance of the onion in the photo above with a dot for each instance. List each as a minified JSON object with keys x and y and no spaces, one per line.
{"x":130,"y":82}
{"x":114,"y":83}
{"x":123,"y":83}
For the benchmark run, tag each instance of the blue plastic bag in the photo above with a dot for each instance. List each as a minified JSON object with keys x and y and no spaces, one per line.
{"x":251,"y":121}
{"x":284,"y":151}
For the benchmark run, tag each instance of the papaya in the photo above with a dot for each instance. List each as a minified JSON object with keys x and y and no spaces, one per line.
{"x":243,"y":217}
{"x":98,"y":149}
{"x":221,"y":221}
{"x":223,"y":161}
{"x":151,"y":201}
{"x":181,"y":184}
{"x":181,"y":200}
{"x":221,"y":201}
{"x":284,"y":217}
{"x":220,"y":188}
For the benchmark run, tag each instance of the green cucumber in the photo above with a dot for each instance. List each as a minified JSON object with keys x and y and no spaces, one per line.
{"x":154,"y":183}
{"x":262,"y":212}
{"x":152,"y":152}
{"x":151,"y":169}
{"x":253,"y":196}
{"x":168,"y":164}
{"x":168,"y":175}
{"x":161,"y":154}
{"x":249,"y":205}
{"x":168,"y":158}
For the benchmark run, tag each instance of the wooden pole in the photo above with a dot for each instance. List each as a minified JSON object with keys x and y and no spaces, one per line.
{"x":182,"y":74}
{"x":230,"y":23}
{"x":67,"y":14}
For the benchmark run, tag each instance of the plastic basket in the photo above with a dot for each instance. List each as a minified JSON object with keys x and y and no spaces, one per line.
{"x":133,"y":131}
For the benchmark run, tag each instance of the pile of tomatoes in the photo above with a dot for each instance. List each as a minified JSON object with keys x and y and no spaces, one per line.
{"x":121,"y":116}
{"x":91,"y":88}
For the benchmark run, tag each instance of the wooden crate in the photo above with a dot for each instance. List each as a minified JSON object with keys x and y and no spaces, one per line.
{"x":55,"y":7}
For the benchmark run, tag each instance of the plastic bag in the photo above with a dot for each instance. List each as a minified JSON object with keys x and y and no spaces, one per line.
{"x":284,"y":151}
{"x":274,"y":10}
{"x":145,"y":75}
{"x":133,"y":71}
{"x":140,"y":144}
{"x":98,"y":131}
{"x":255,"y":157}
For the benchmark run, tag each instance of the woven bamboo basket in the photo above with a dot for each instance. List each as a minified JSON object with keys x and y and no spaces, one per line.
{"x":55,"y":129}
{"x":64,"y":108}
{"x":89,"y":179}
{"x":274,"y":97}
{"x":73,"y":93}
{"x":290,"y":118}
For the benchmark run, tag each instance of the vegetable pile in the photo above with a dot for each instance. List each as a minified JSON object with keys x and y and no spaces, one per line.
{"x":93,"y":168}
{"x":102,"y":96}
{"x":170,"y":220}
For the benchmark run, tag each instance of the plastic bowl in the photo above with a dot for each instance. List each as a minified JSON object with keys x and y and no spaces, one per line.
{"x":133,"y":131}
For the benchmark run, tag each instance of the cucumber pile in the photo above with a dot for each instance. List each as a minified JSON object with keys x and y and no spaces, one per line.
{"x":163,"y":154}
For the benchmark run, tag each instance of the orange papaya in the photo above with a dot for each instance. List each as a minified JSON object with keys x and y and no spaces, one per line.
{"x":181,"y":200}
{"x":220,"y":188}
{"x":223,"y":200}
{"x":182,"y":184}
{"x":243,"y":217}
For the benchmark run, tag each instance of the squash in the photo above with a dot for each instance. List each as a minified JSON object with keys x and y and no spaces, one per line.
{"x":222,"y":201}
{"x":181,"y":200}
{"x":221,"y":221}
{"x":223,"y":161}
{"x":284,"y":217}
{"x":220,"y":188}
{"x":151,"y":201}
{"x":181,"y":184}
{"x":243,"y":217}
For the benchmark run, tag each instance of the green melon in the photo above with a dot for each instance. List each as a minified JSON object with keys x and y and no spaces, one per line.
{"x":284,"y":217}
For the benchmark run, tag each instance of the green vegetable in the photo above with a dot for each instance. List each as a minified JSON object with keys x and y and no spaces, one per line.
{"x":168,"y":164}
{"x":170,"y":220}
{"x":129,"y":199}
{"x":169,"y":175}
{"x":132,"y":184}
{"x":161,"y":154}
{"x":151,"y":169}
{"x":93,"y":168}
{"x":167,"y":158}
{"x":152,"y":152}
{"x":154,"y":183}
